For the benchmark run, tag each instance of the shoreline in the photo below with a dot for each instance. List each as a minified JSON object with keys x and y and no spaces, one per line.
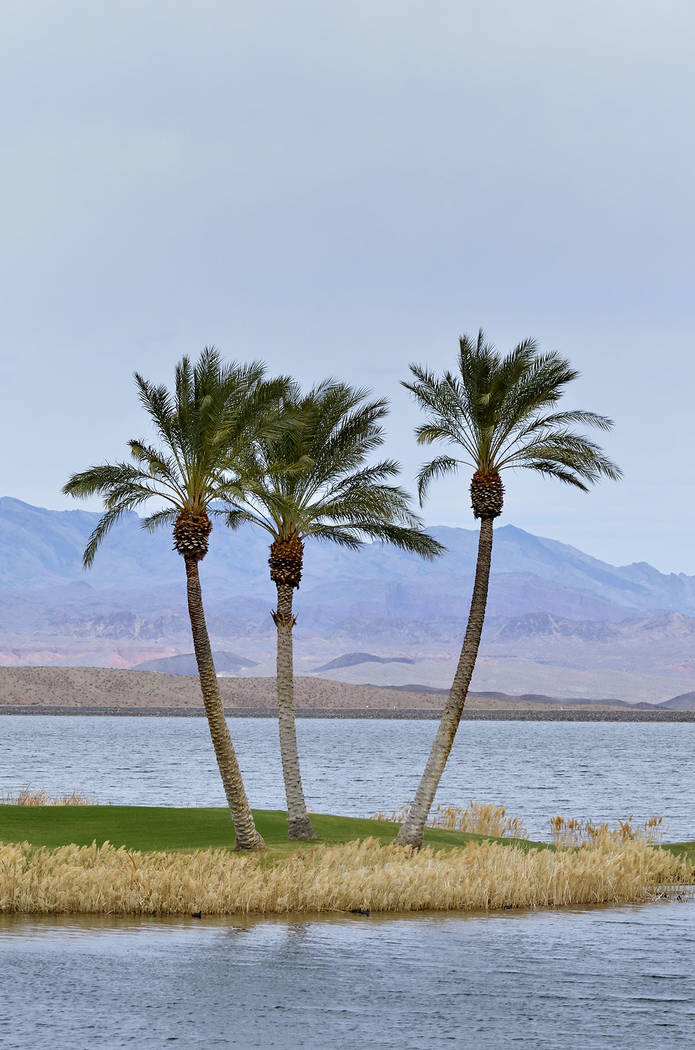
{"x":405,"y":714}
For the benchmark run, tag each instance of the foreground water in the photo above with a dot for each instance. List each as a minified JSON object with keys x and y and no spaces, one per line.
{"x":597,"y":978}
{"x":601,"y":770}
{"x":571,"y":979}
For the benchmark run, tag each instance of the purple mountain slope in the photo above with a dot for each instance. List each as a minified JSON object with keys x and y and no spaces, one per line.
{"x":559,"y":621}
{"x":40,"y":559}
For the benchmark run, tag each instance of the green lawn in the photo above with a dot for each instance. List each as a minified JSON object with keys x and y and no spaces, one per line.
{"x":682,"y":847}
{"x":165,"y":828}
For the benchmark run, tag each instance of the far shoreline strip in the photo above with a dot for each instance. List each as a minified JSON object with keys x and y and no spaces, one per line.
{"x":386,"y":714}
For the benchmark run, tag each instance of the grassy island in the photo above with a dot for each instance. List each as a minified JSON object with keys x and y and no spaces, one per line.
{"x":167,"y":861}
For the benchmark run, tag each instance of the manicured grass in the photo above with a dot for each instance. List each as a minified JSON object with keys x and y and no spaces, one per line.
{"x":685,"y":848}
{"x":165,"y":828}
{"x":171,"y":869}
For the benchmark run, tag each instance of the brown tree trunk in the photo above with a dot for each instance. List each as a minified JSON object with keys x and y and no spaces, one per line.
{"x":299,"y":824}
{"x":412,"y":830}
{"x":244,"y":828}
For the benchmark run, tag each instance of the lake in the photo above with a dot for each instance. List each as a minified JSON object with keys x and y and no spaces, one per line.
{"x":575,"y":978}
{"x":601,"y":770}
{"x":595,"y":978}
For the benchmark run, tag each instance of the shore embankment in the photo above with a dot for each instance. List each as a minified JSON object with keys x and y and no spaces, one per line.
{"x":473,"y":715}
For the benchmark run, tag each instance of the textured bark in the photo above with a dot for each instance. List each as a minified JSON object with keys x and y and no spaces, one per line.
{"x":244,"y":828}
{"x":191,"y":534}
{"x":413,"y":828}
{"x":487,"y":494}
{"x":286,"y":560}
{"x":298,"y":820}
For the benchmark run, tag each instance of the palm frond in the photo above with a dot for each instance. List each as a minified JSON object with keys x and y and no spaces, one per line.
{"x":573,"y":451}
{"x":407,"y":539}
{"x":436,"y":468}
{"x":160,"y":517}
{"x":500,"y":412}
{"x":205,"y":429}
{"x":556,"y":470}
{"x":336,"y":534}
{"x":102,"y":529}
{"x":314,"y":477}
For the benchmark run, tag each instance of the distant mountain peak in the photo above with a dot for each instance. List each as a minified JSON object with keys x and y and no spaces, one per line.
{"x":185,"y":663}
{"x":542,"y":623}
{"x":354,"y":659}
{"x":682,"y":702}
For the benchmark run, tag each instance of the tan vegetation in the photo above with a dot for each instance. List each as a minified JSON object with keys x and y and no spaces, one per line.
{"x":27,"y":797}
{"x":572,"y":832}
{"x":92,"y":879}
{"x":479,"y":818}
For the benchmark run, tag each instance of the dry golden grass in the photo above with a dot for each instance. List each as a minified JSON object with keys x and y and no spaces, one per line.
{"x":479,"y":818}
{"x":92,"y":879}
{"x":27,"y":797}
{"x":573,"y":832}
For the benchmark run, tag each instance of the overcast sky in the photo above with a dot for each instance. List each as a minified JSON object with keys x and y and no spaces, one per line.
{"x":345,"y":188}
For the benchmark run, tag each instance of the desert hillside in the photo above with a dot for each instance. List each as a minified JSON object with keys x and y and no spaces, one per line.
{"x":92,"y":687}
{"x":108,"y":688}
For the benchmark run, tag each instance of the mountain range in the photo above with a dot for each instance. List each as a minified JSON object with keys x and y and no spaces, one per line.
{"x":560,"y":622}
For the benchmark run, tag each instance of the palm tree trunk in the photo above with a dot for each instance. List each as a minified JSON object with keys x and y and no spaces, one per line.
{"x":299,"y":824}
{"x":412,"y":830}
{"x":244,"y":828}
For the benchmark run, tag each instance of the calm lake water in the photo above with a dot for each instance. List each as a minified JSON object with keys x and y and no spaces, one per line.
{"x":602,"y":770}
{"x":570,"y":979}
{"x":598,"y":978}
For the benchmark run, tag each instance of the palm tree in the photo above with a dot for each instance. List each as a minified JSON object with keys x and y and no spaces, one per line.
{"x":312,"y":480}
{"x":499,"y":413}
{"x":203,"y":427}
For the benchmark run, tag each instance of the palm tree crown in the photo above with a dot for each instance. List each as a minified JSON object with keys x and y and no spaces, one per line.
{"x":204,"y":428}
{"x":311,"y":479}
{"x":499,"y":412}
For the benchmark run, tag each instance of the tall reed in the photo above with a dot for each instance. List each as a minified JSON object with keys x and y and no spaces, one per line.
{"x":27,"y":797}
{"x":574,"y":832}
{"x":102,"y":879}
{"x":478,"y":818}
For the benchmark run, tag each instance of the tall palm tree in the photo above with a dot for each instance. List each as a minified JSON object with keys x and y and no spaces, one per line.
{"x":498,"y":412}
{"x":203,"y":427}
{"x":312,"y":480}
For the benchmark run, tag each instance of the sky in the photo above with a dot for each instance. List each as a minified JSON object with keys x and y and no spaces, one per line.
{"x":342,"y":189}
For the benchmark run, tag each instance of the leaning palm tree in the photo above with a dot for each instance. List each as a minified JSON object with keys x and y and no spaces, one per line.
{"x":204,"y":428}
{"x":311,"y":480}
{"x":499,"y":413}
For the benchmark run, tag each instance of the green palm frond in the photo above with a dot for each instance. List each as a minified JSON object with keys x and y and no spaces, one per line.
{"x":499,"y":410}
{"x":101,"y":530}
{"x":434,"y":469}
{"x":205,"y":427}
{"x":337,"y":534}
{"x":235,"y":518}
{"x":160,"y":517}
{"x":406,"y":539}
{"x":577,"y":453}
{"x":314,"y":477}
